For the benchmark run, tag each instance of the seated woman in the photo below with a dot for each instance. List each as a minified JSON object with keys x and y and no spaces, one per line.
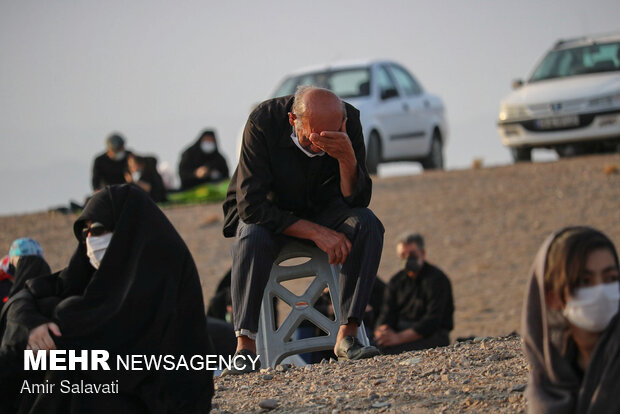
{"x":571,"y":328}
{"x":202,"y":162}
{"x":131,"y":288}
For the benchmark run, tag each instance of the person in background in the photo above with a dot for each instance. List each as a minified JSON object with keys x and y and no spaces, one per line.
{"x":109,"y":168}
{"x":418,"y":307}
{"x":142,"y":171}
{"x":202,"y":162}
{"x":570,"y":325}
{"x":24,"y":262}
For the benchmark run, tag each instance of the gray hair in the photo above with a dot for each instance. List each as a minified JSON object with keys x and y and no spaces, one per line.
{"x":410,"y":238}
{"x":299,"y":106}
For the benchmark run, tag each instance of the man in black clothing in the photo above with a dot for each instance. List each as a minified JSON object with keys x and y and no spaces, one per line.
{"x":110,"y":167}
{"x":302,"y":173}
{"x":417,"y":307}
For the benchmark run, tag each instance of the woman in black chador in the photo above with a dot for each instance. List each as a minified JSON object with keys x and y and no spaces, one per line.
{"x":131,"y":288}
{"x":202,"y":162}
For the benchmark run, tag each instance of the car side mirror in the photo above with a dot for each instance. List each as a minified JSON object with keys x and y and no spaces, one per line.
{"x":517,"y":83}
{"x":388,"y":93}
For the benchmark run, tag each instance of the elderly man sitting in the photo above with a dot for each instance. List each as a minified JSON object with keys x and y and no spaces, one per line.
{"x":302,"y":173}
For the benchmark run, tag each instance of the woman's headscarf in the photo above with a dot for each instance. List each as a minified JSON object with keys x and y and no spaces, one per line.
{"x":145,"y":299}
{"x":554,"y":384}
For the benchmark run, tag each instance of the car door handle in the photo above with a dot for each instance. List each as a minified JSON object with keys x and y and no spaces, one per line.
{"x":405,"y":107}
{"x":427,"y":103}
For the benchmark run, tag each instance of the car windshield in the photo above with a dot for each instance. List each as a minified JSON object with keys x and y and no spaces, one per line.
{"x":578,"y":61}
{"x":346,"y":83}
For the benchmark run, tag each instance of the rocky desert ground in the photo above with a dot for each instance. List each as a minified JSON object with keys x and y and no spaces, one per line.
{"x":482,"y":227}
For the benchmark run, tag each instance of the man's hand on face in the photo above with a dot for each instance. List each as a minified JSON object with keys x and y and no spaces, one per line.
{"x":335,"y":143}
{"x":335,"y":244}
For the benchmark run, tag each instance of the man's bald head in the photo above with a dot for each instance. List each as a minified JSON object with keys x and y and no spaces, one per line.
{"x":318,"y":104}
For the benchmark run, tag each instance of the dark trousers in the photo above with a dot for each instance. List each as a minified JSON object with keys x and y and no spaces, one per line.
{"x":256,"y":248}
{"x":439,"y":338}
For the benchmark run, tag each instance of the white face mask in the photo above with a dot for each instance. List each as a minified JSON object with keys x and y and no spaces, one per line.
{"x":136,"y":175}
{"x":592,"y":308}
{"x":119,"y":156}
{"x":305,"y":151}
{"x":207,"y":147}
{"x":96,"y":247}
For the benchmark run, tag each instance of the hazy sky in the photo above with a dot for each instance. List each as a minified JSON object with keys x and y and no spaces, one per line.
{"x":71,"y":72}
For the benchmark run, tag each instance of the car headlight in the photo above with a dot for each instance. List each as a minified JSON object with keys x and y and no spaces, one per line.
{"x":511,"y":112}
{"x":605,"y":101}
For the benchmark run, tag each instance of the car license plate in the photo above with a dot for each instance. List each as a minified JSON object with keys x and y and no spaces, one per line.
{"x":558,"y":122}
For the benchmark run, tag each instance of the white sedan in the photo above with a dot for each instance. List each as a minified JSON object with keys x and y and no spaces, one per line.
{"x":571,"y":102}
{"x":400,"y":121}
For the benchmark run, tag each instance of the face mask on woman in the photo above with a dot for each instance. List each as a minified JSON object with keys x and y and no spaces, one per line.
{"x":96,"y":247}
{"x":207,"y":147}
{"x":592,"y":308}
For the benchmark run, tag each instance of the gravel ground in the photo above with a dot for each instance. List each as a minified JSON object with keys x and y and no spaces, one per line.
{"x":483,"y":375}
{"x":482,"y":227}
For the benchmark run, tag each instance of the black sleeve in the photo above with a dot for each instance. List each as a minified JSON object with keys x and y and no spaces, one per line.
{"x":389,"y":311}
{"x":222,"y":167}
{"x":186,"y":170}
{"x":254,"y":180}
{"x":363,"y":188}
{"x":96,"y":180}
{"x":437,"y":294}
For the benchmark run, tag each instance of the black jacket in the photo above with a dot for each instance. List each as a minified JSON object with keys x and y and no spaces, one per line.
{"x":107,"y":171}
{"x":275,"y":184}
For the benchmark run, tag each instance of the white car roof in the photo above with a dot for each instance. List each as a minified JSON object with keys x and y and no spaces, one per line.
{"x":586,"y":40}
{"x":337,"y":65}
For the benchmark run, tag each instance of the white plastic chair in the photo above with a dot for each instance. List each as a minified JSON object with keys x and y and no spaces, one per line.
{"x":273,"y":345}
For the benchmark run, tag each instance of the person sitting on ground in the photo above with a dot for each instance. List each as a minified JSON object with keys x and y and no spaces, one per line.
{"x":142,"y":171}
{"x":109,"y":168}
{"x":202,"y":162}
{"x":131,"y":288}
{"x":570,"y":325}
{"x":24,"y":262}
{"x":302,"y":173}
{"x":417,"y":307}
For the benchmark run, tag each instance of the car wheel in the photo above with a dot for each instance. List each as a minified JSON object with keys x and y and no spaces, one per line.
{"x":434,"y":160}
{"x":569,"y":151}
{"x":521,"y":154}
{"x":373,"y":154}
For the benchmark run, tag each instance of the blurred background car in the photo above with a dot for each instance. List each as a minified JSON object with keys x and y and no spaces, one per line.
{"x":570,"y":103}
{"x":400,"y":120}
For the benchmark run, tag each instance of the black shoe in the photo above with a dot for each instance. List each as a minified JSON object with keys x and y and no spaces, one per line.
{"x":351,"y":348}
{"x":245,"y":363}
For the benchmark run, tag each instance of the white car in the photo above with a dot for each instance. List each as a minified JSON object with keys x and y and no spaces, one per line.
{"x":570,"y":103}
{"x":400,"y":121}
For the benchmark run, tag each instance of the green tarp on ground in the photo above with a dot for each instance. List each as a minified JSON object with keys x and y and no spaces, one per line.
{"x":200,"y":194}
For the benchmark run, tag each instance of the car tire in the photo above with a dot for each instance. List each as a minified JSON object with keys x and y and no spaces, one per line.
{"x":373,"y":153}
{"x":434,"y":160}
{"x":521,"y":154}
